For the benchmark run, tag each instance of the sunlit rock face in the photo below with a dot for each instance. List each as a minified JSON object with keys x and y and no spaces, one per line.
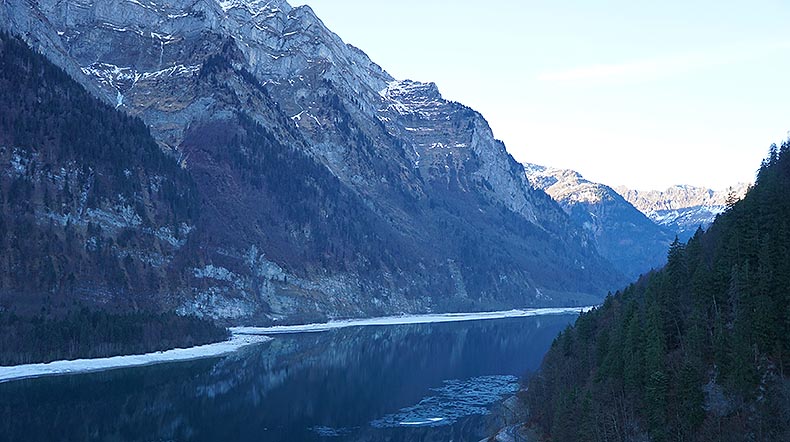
{"x":622,"y":234}
{"x":327,"y":187}
{"x":683,"y":209}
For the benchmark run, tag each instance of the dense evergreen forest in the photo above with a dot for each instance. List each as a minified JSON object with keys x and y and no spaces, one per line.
{"x":87,"y":333}
{"x":698,"y":351}
{"x":89,"y":203}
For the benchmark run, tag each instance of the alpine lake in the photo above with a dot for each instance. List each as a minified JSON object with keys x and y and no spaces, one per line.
{"x":421,"y":382}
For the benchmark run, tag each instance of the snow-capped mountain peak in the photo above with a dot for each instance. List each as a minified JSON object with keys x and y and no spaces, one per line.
{"x":254,"y":6}
{"x":683,"y":208}
{"x":621,"y":233}
{"x":565,"y":185}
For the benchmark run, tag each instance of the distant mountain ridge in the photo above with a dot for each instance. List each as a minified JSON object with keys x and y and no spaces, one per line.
{"x":322,"y":185}
{"x":683,"y":208}
{"x":622,"y":234}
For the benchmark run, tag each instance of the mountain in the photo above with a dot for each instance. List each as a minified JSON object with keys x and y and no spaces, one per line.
{"x":90,"y":205}
{"x":322,"y":185}
{"x":683,"y":209}
{"x":694,"y":351}
{"x":622,"y":234}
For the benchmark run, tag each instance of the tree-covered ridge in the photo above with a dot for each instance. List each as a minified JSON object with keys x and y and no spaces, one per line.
{"x":89,"y":333}
{"x":697,"y":351}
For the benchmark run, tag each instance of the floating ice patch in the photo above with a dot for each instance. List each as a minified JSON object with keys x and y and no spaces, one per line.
{"x":456,"y":399}
{"x":430,"y":420}
{"x":324,"y":431}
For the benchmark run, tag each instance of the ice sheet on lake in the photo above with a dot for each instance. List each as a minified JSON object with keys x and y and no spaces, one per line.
{"x":454,"y":400}
{"x":405,"y":320}
{"x":101,"y":364}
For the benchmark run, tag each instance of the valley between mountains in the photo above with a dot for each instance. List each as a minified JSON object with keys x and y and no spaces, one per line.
{"x":295,"y":178}
{"x":179,"y":180}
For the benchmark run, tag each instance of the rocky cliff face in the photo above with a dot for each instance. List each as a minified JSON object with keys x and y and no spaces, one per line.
{"x":325,"y":185}
{"x":683,"y":209}
{"x":622,"y":234}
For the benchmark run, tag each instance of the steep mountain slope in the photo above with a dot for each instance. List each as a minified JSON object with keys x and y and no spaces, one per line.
{"x":622,"y":234}
{"x":324,"y":185}
{"x":89,"y":205}
{"x":695,"y":351}
{"x":683,"y":209}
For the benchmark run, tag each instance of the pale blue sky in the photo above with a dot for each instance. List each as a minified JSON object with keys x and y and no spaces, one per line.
{"x":642,"y":93}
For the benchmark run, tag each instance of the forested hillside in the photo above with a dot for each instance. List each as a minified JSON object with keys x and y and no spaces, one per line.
{"x":91,"y":214}
{"x":89,"y":204}
{"x":696,"y":351}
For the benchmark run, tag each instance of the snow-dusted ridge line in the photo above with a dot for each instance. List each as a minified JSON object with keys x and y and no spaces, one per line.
{"x":58,"y":368}
{"x":405,"y":320}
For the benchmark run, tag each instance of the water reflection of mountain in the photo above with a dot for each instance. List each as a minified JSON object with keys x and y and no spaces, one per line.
{"x":319,"y":386}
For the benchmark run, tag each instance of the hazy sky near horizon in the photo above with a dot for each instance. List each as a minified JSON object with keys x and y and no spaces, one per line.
{"x":645,"y":94}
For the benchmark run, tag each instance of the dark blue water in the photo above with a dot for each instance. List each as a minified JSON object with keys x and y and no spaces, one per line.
{"x":430,"y":382}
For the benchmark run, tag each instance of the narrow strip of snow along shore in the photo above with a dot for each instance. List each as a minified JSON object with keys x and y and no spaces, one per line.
{"x":243,"y":336}
{"x":57,"y":368}
{"x":405,"y":320}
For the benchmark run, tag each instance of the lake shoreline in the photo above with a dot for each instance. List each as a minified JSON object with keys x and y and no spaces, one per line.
{"x":80,"y":366}
{"x":245,"y":336}
{"x":427,"y":318}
